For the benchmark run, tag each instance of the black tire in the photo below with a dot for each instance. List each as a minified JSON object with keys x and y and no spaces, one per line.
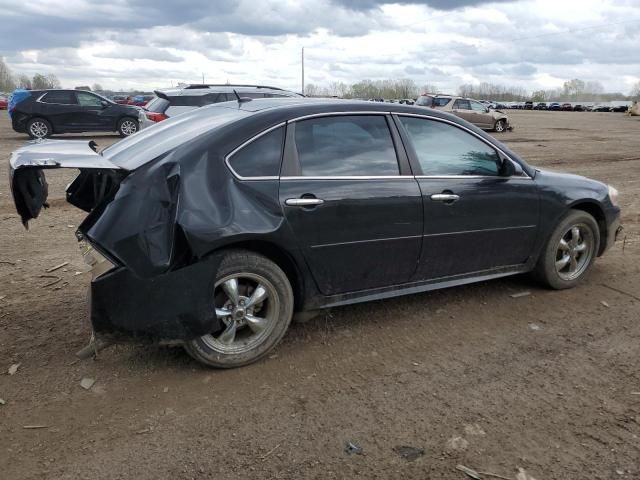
{"x":278,"y":305}
{"x":128,"y":126}
{"x":500,"y":126}
{"x":547,"y":270}
{"x":39,"y":128}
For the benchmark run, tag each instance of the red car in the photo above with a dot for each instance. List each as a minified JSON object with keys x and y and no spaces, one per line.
{"x":566,"y":107}
{"x":4,"y":102}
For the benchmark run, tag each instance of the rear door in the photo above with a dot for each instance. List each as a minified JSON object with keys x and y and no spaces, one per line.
{"x":475,"y":218}
{"x":60,"y":107}
{"x":351,"y":201}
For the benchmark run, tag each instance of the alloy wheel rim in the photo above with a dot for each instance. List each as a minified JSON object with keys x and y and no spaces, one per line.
{"x":39,"y":129}
{"x":128,"y":128}
{"x":247,"y":306}
{"x":499,"y":126}
{"x":574,"y":252}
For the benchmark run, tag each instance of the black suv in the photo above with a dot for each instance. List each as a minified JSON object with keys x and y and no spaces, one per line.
{"x":42,"y":113}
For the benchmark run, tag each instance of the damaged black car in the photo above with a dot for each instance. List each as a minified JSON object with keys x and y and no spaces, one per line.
{"x":215,"y":227}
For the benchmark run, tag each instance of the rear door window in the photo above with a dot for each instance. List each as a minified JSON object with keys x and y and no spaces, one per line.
{"x":59,"y":98}
{"x":462,"y":104}
{"x":357,"y":145}
{"x":261,"y":157}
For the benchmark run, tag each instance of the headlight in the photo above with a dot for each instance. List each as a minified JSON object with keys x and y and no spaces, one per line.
{"x":613,"y":195}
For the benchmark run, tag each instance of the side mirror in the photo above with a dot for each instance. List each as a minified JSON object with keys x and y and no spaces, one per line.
{"x":104,"y":103}
{"x":510,"y":168}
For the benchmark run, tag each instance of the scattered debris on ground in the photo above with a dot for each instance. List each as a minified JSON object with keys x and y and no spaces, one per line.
{"x":87,"y":383}
{"x":13,"y":369}
{"x":520,"y":294}
{"x":409,"y":453}
{"x":353,"y":448}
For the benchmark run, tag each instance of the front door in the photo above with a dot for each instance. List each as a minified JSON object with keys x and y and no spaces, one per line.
{"x":481,"y":115}
{"x":355,"y":211}
{"x":90,"y":114}
{"x":475,"y":218}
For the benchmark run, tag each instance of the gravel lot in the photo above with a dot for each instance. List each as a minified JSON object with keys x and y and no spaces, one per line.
{"x":544,"y":382}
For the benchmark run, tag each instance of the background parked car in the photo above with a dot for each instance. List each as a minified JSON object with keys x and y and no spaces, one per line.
{"x":42,"y":113}
{"x":555,"y":106}
{"x":578,"y":108}
{"x":602,"y":107}
{"x":567,"y":107}
{"x":540,"y":106}
{"x":470,"y":110}
{"x":140,"y":100}
{"x":528,"y":105}
{"x":4,"y":102}
{"x":172,"y":102}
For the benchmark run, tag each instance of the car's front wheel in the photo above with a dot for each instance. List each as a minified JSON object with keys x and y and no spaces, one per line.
{"x":39,"y":128}
{"x":500,"y":126}
{"x":127,"y":126}
{"x":570,"y":251}
{"x":253,"y":300}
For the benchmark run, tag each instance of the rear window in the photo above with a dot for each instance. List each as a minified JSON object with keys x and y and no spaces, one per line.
{"x":157,"y":105}
{"x":424,"y":101}
{"x":64,"y":98}
{"x":148,"y":144}
{"x":441,"y":102}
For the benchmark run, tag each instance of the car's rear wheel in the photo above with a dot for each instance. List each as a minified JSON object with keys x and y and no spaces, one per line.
{"x":570,"y":251}
{"x":500,"y":126}
{"x":127,"y":126}
{"x":39,"y":128}
{"x":253,"y":300}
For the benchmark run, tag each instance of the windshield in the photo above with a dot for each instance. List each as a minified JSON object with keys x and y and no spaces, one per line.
{"x":142,"y":147}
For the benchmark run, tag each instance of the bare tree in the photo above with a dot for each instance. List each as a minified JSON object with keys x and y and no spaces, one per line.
{"x":7,"y":82}
{"x":24,"y":82}
{"x":44,"y":82}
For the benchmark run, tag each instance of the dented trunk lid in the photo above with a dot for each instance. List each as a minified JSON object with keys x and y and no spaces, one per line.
{"x":98,"y":175}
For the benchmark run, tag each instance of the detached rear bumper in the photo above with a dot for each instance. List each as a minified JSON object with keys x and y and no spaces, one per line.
{"x":176,"y":305}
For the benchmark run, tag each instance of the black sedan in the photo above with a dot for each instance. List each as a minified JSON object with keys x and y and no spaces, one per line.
{"x":42,"y":113}
{"x":213,"y":228}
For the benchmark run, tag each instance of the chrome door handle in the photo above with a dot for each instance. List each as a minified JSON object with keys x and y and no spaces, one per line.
{"x":445,"y":197}
{"x":303,"y":202}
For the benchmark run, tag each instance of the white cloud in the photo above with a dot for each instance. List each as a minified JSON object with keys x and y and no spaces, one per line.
{"x":147,"y":44}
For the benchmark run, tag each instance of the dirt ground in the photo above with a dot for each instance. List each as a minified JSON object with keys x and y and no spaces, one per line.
{"x":548,"y":382}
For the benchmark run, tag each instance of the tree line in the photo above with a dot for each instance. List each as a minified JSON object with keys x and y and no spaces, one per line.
{"x":9,"y":82}
{"x":572,"y":90}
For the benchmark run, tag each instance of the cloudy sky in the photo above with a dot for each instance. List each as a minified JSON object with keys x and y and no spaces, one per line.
{"x":151,"y":43}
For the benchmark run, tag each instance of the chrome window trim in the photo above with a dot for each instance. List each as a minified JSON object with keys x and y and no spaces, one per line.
{"x":352,"y":177}
{"x":227,"y":158}
{"x":336,"y":114}
{"x":524,"y":175}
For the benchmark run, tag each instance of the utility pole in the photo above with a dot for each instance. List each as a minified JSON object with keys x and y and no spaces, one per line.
{"x":203,"y":78}
{"x":302,"y":70}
